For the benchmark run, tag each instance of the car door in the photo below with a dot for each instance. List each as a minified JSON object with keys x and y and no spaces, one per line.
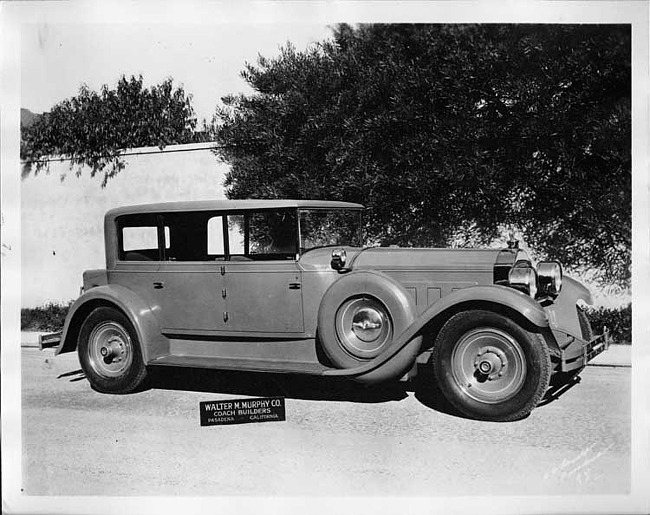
{"x":263,"y":297}
{"x":189,"y":282}
{"x":262,"y":280}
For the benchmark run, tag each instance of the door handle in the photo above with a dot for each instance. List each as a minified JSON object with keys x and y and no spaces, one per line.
{"x":158,"y":284}
{"x":294,"y":286}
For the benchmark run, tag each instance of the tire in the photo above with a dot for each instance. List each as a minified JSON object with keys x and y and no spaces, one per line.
{"x":490,"y":368}
{"x":109,"y":352}
{"x":360,"y":316}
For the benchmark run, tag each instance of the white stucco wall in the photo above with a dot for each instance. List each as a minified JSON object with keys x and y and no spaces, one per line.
{"x":62,"y":221}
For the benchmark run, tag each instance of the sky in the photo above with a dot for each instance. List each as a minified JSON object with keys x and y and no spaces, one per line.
{"x":205,"y":59}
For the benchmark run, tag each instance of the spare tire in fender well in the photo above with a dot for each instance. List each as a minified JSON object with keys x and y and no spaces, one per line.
{"x":380,"y":290}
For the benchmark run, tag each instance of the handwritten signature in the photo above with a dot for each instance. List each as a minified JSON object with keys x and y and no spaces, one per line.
{"x":579,"y":467}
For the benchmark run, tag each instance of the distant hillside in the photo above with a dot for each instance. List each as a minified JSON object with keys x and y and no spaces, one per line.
{"x":27,"y":118}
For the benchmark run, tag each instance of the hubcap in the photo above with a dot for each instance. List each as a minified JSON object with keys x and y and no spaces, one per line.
{"x":363,"y":327}
{"x":110,"y":350}
{"x":489,"y":365}
{"x":367,"y":324}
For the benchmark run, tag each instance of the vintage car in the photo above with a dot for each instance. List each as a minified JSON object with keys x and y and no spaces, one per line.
{"x":286,"y":286}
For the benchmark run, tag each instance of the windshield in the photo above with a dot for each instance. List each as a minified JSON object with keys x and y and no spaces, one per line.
{"x":327,"y":227}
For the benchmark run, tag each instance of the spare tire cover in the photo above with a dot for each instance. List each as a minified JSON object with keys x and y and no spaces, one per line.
{"x":360,"y":315}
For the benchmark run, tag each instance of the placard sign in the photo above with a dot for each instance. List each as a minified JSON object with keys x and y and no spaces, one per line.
{"x":242,"y":411}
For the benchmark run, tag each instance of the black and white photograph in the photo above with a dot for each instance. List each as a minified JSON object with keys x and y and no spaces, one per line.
{"x":334,"y":257}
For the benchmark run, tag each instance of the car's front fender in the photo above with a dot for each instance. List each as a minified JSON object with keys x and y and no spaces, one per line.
{"x":141,"y":315}
{"x":500,"y":297}
{"x":562,"y":313}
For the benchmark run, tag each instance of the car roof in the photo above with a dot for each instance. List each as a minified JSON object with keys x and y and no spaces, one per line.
{"x":229,"y":205}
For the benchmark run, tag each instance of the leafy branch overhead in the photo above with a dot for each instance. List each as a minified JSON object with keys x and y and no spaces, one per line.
{"x":448,"y":130}
{"x":93,"y":128}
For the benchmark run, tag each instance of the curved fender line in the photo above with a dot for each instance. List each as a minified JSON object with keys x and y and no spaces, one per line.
{"x":562,"y":314}
{"x":576,"y":289}
{"x":141,"y":315}
{"x":503,"y":295}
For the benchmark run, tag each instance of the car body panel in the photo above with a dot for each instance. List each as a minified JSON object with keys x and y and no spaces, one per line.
{"x":164,"y":288}
{"x":141,"y":315}
{"x":562,"y":312}
{"x":496,"y":295}
{"x":263,"y":297}
{"x":243,"y":313}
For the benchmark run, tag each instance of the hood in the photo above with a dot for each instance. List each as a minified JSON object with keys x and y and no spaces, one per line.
{"x":410,"y":258}
{"x":391,"y":258}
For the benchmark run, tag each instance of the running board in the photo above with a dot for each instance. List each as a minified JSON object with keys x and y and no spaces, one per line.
{"x":249,"y":365}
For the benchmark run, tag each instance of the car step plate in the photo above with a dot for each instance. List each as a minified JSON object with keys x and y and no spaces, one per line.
{"x":251,"y":365}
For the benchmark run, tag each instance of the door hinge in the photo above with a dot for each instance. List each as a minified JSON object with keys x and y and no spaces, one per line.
{"x":223,"y":270}
{"x":225,"y":316}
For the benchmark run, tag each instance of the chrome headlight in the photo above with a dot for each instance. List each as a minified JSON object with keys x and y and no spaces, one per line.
{"x":524,"y":278}
{"x":549,"y":274}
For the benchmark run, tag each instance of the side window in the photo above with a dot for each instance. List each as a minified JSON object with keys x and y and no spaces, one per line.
{"x":215,"y":237}
{"x":263,"y":235}
{"x":194,"y":236}
{"x":273,"y":233}
{"x":138,"y":238}
{"x":236,"y":235}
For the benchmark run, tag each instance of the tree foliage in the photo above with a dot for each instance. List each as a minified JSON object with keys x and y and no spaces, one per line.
{"x":93,"y":128}
{"x":444,"y":130}
{"x":618,"y":322}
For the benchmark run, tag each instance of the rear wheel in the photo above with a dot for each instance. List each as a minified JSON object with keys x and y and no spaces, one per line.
{"x":109,"y":352}
{"x":490,"y":368}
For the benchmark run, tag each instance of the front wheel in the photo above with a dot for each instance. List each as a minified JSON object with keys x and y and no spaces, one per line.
{"x":489,"y":367}
{"x":109,"y":352}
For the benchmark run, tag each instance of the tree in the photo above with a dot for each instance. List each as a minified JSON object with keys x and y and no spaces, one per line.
{"x":93,"y":129}
{"x":444,"y":130}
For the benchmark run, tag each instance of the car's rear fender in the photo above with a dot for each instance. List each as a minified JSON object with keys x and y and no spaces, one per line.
{"x":141,"y":315}
{"x":497,"y":298}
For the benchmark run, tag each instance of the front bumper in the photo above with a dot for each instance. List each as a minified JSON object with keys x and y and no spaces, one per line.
{"x":578,"y":353}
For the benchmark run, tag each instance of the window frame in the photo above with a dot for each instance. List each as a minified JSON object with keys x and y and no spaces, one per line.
{"x":360,"y":231}
{"x":126,"y":220}
{"x":246,"y":214}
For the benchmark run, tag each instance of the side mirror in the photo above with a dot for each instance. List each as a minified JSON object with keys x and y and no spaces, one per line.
{"x":338,"y":259}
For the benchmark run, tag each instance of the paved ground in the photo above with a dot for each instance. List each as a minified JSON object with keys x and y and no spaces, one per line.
{"x":338,"y":439}
{"x":616,"y":355}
